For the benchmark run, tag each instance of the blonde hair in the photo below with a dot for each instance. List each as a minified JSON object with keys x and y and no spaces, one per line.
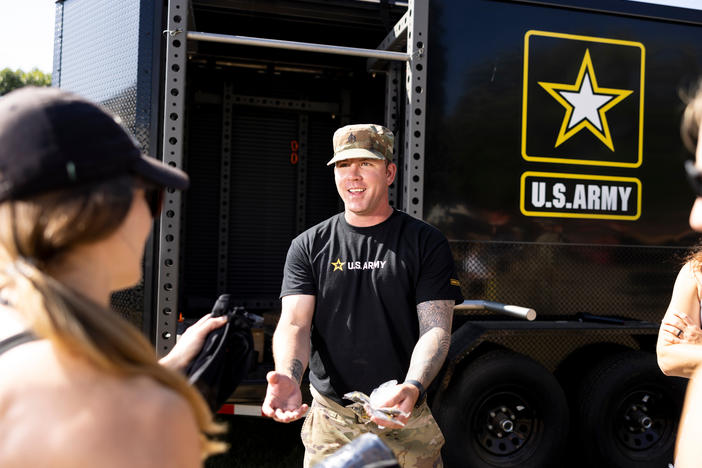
{"x":689,"y":131}
{"x":34,"y":235}
{"x":692,"y":116}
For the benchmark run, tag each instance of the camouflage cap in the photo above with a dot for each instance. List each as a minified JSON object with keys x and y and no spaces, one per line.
{"x":362,"y":141}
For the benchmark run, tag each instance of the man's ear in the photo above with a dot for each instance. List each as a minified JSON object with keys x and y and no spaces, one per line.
{"x":390,"y":172}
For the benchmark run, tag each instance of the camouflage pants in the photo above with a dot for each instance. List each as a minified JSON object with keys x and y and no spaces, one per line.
{"x":329,"y":426}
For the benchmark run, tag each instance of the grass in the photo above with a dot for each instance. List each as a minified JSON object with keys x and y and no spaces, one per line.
{"x":260,"y":443}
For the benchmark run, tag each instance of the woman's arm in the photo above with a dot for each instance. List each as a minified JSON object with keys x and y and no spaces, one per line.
{"x":190,"y":343}
{"x":679,"y":338}
{"x":688,"y":450}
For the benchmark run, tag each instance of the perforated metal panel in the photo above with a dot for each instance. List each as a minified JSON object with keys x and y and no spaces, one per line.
{"x":104,"y":51}
{"x":415,"y":103}
{"x":551,"y":347}
{"x":168,"y":274}
{"x":100,"y":55}
{"x":563,"y":279}
{"x":58,"y":45}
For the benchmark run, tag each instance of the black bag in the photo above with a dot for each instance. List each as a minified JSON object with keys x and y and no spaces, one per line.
{"x":226,"y":355}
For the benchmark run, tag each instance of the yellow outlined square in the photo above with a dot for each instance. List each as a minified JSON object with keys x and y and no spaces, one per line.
{"x":566,"y":160}
{"x":567,"y":214}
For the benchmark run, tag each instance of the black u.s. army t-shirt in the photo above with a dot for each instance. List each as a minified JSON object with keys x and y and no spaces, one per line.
{"x":367,"y":282}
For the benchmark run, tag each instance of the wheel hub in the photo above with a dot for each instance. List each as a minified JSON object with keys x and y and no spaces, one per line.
{"x":641,"y":420}
{"x":505,"y":422}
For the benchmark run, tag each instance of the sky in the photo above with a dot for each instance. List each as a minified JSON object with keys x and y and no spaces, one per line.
{"x":27,"y":34}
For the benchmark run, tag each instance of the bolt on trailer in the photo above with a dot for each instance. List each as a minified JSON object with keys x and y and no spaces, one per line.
{"x":540,"y":137}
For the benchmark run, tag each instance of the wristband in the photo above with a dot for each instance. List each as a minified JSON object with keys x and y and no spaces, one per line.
{"x":422,"y":393}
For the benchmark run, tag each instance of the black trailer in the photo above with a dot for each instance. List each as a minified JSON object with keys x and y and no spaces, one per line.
{"x":540,"y":136}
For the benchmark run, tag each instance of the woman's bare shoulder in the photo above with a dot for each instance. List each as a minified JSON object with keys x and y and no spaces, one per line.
{"x":158,"y":423}
{"x":688,"y":277}
{"x":122,"y":420}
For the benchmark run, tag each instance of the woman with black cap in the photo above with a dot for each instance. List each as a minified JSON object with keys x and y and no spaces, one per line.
{"x":79,"y":386}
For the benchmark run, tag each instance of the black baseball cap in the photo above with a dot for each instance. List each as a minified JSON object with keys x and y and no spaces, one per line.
{"x":51,"y":139}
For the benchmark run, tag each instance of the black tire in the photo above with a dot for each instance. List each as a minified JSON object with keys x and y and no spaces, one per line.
{"x":627,"y":412}
{"x":503,"y":383}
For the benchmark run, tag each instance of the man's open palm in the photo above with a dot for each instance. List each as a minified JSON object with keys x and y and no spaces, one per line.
{"x":283,"y":398}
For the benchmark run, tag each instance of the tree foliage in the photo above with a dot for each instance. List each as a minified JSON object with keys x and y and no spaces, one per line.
{"x":10,"y":79}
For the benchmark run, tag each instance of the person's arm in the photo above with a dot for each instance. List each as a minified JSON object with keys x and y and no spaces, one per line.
{"x":688,"y":450}
{"x":291,"y":351}
{"x":427,"y":357}
{"x":679,"y":338}
{"x":434,"y":339}
{"x":190,"y":343}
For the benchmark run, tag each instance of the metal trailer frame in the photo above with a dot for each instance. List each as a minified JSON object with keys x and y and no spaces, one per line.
{"x":409,"y":149}
{"x":168,"y":262}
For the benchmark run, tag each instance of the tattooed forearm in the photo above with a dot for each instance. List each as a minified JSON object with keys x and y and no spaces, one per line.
{"x":444,"y":343}
{"x":428,"y":356}
{"x":295,"y":369}
{"x":434,"y":340}
{"x":291,"y":340}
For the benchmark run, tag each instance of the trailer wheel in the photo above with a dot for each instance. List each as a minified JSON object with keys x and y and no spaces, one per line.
{"x":628,"y":412}
{"x":505,"y":410}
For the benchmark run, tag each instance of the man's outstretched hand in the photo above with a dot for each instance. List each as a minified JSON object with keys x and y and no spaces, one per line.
{"x":283,"y":398}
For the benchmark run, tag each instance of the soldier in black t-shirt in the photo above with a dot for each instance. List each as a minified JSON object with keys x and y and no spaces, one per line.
{"x":367,"y":297}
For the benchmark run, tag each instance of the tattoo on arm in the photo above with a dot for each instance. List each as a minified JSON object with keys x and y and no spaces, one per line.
{"x":296,"y":370}
{"x":433,"y":314}
{"x":434,"y":340}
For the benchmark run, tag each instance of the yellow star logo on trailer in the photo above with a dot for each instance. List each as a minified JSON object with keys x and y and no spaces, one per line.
{"x":338,"y":265}
{"x":586,"y":104}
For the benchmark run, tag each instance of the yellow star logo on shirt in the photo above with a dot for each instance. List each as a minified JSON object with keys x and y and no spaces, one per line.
{"x":586,"y":104}
{"x":338,"y":265}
